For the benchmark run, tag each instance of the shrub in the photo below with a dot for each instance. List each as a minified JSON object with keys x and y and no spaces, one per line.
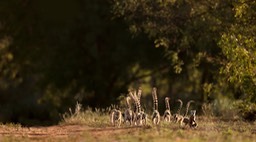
{"x":221,"y":106}
{"x":246,"y":110}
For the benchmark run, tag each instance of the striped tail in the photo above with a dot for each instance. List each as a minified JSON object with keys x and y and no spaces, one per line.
{"x":137,"y":97}
{"x":112,"y":116}
{"x":128,"y":102}
{"x":139,"y":94}
{"x":167,"y":104}
{"x":188,"y":104}
{"x":138,"y":106}
{"x":181,"y":104}
{"x":155,"y":101}
{"x":136,"y":100}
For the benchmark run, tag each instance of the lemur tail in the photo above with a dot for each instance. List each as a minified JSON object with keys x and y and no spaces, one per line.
{"x":181,"y":103}
{"x":136,"y":99}
{"x":167,"y":104}
{"x":112,"y":114}
{"x":155,"y":101}
{"x":128,"y":102}
{"x":139,"y":93}
{"x":188,"y":104}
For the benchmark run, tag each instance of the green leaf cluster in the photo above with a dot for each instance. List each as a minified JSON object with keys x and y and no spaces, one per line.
{"x":216,"y":38}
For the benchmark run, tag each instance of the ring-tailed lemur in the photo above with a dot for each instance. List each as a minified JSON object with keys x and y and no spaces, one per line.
{"x":140,"y":116}
{"x":191,"y":120}
{"x":128,"y":114}
{"x":155,"y":115}
{"x":178,"y":117}
{"x":115,"y":117}
{"x":167,"y":112}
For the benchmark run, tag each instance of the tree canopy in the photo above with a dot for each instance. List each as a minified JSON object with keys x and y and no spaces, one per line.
{"x":215,"y":37}
{"x":55,"y":53}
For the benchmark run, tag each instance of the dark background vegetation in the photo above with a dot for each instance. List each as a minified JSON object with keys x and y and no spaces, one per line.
{"x":57,"y":53}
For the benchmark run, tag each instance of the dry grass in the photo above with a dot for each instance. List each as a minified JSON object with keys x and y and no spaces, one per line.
{"x":88,"y":125}
{"x":96,"y":118}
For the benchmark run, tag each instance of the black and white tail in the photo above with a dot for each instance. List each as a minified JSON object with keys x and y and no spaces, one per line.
{"x":127,"y":99}
{"x":140,"y":116}
{"x":167,"y":104}
{"x":181,"y":104}
{"x":139,"y":93}
{"x":136,"y":100}
{"x":187,"y":107}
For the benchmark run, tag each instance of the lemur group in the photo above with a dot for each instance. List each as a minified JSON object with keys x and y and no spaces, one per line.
{"x":137,"y":117}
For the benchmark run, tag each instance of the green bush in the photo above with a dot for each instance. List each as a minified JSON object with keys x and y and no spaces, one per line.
{"x":222,"y":107}
{"x":246,"y":110}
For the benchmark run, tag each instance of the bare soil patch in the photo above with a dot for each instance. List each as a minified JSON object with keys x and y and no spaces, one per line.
{"x":208,"y":130}
{"x":50,"y":131}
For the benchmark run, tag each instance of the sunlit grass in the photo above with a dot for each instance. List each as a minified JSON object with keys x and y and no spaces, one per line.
{"x":96,"y":118}
{"x":10,"y":125}
{"x":209,"y":129}
{"x":170,"y":133}
{"x":94,"y":125}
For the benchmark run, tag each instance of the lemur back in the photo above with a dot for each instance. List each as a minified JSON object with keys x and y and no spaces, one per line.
{"x":115,"y":117}
{"x":128,"y":114}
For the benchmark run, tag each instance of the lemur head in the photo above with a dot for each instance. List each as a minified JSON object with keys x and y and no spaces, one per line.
{"x":193,"y":112}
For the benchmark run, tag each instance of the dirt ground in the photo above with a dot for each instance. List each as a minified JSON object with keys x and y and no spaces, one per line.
{"x":58,"y":132}
{"x":209,"y":131}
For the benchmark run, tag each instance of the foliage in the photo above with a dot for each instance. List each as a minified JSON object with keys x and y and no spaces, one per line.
{"x":247,"y":110}
{"x":216,"y":37}
{"x":188,"y":31}
{"x":222,"y":107}
{"x":8,"y":69}
{"x":239,"y":49}
{"x":54,"y":54}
